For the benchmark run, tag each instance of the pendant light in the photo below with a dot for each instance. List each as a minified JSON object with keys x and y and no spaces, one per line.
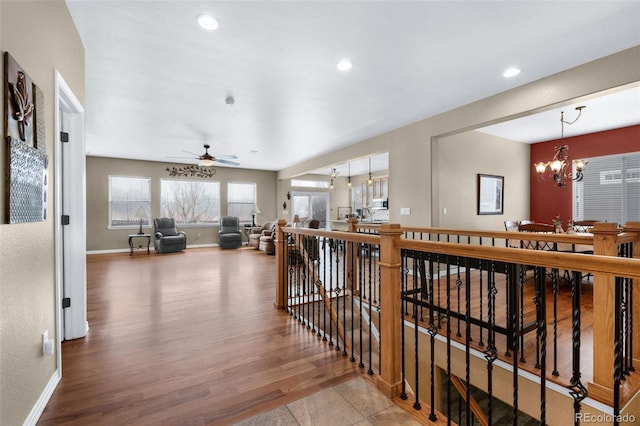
{"x":369,"y":181}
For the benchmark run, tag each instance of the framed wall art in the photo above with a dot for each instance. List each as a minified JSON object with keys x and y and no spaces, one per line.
{"x":490,"y":194}
{"x":344,"y":212}
{"x":25,"y":146}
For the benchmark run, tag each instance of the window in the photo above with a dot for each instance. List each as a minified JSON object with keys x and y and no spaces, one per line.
{"x":126,"y":196}
{"x":610,"y":190}
{"x":311,"y":204}
{"x":309,"y":183}
{"x":241,"y":200}
{"x":190,"y":202}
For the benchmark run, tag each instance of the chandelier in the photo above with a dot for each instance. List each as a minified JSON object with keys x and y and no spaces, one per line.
{"x":333,"y":175}
{"x":561,"y":165}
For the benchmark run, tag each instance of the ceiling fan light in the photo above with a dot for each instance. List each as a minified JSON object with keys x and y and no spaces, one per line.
{"x":205,"y":162}
{"x":208,"y":22}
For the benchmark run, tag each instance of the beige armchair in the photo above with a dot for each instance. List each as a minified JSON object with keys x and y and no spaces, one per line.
{"x":256,"y":233}
{"x":267,"y":239}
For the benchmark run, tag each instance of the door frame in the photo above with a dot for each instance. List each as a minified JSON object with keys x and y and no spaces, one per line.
{"x":69,"y":109}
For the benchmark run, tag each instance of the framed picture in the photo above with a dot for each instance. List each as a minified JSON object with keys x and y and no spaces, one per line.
{"x":344,"y":212}
{"x":490,"y":194}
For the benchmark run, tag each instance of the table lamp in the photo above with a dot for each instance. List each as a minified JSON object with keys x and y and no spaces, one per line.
{"x":142,"y":215}
{"x":296,"y":220}
{"x":255,"y":211}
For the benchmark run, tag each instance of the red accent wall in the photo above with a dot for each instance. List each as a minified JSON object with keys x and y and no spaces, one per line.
{"x":547,"y":200}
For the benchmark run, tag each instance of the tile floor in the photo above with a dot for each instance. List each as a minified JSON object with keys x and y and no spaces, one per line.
{"x":356,"y":402}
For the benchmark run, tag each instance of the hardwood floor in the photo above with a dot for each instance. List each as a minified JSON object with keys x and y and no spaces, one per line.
{"x":186,"y":338}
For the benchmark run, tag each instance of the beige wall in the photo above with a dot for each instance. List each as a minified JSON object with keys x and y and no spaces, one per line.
{"x":460,"y":159}
{"x":99,"y":237}
{"x":414,"y":179}
{"x":27,"y":264}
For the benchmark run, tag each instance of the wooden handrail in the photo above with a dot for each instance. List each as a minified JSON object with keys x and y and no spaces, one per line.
{"x":604,"y":264}
{"x":544,"y":258}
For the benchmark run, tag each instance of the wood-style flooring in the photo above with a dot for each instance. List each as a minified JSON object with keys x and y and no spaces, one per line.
{"x":187,"y":338}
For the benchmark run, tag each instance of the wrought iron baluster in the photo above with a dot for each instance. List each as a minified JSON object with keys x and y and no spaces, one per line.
{"x":432,"y":331}
{"x":370,"y":370}
{"x":324,"y":289}
{"x":481,"y":342}
{"x":458,"y":286}
{"x":576,"y":389}
{"x":362,"y":286}
{"x":448,"y":335}
{"x":554,"y":282}
{"x":491,"y":353}
{"x":467,"y":379}
{"x":617,"y":348}
{"x":416,"y":404}
{"x":404,"y":295}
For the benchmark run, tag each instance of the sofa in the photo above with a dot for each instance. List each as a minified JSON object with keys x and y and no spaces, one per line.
{"x":166,"y":237}
{"x":229,"y":235}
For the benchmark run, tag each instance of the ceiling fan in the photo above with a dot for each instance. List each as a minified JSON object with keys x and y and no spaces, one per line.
{"x":207,"y":160}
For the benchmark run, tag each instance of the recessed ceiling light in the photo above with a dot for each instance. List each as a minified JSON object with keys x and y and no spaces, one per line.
{"x":344,"y":65}
{"x":511,"y":72}
{"x":208,"y":22}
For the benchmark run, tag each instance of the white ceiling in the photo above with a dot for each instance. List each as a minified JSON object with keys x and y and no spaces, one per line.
{"x":156,"y":83}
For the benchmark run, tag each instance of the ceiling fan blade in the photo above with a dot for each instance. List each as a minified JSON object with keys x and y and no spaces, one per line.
{"x":187,"y":158}
{"x":227,"y":157}
{"x":231,"y":163}
{"x":192,"y":153}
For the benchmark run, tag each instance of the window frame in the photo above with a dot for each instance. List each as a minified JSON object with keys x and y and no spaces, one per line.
{"x":214,"y":223}
{"x":145,"y":223}
{"x":243,"y":220}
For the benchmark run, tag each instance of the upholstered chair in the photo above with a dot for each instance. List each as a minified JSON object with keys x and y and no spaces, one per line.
{"x":229,"y":235}
{"x":167,"y":238}
{"x":267,"y":239}
{"x":256,"y":233}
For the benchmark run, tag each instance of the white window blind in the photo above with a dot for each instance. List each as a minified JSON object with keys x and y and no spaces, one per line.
{"x":126,"y":196}
{"x":610,"y":190}
{"x":241,"y":200}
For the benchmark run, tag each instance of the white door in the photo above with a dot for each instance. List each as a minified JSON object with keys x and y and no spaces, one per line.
{"x":70,"y":214}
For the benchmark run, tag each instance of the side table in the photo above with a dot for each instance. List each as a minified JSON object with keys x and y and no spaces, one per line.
{"x":246,"y":230}
{"x":133,"y":236}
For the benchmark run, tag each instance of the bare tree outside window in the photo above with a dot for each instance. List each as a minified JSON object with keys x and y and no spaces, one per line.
{"x":190,"y":202}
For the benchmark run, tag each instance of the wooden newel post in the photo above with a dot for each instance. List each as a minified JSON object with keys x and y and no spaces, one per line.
{"x":605,"y":243}
{"x":281,"y":268}
{"x":391,"y":321}
{"x":633,"y":228}
{"x":352,"y":258}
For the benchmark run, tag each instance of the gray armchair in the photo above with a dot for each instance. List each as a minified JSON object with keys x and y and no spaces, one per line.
{"x":229,"y":235}
{"x":167,"y":238}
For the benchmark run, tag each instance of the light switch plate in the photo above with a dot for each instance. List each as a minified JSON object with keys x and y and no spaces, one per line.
{"x":405,"y":211}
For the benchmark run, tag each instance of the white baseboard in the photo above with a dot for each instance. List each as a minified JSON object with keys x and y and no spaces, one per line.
{"x":41,"y":403}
